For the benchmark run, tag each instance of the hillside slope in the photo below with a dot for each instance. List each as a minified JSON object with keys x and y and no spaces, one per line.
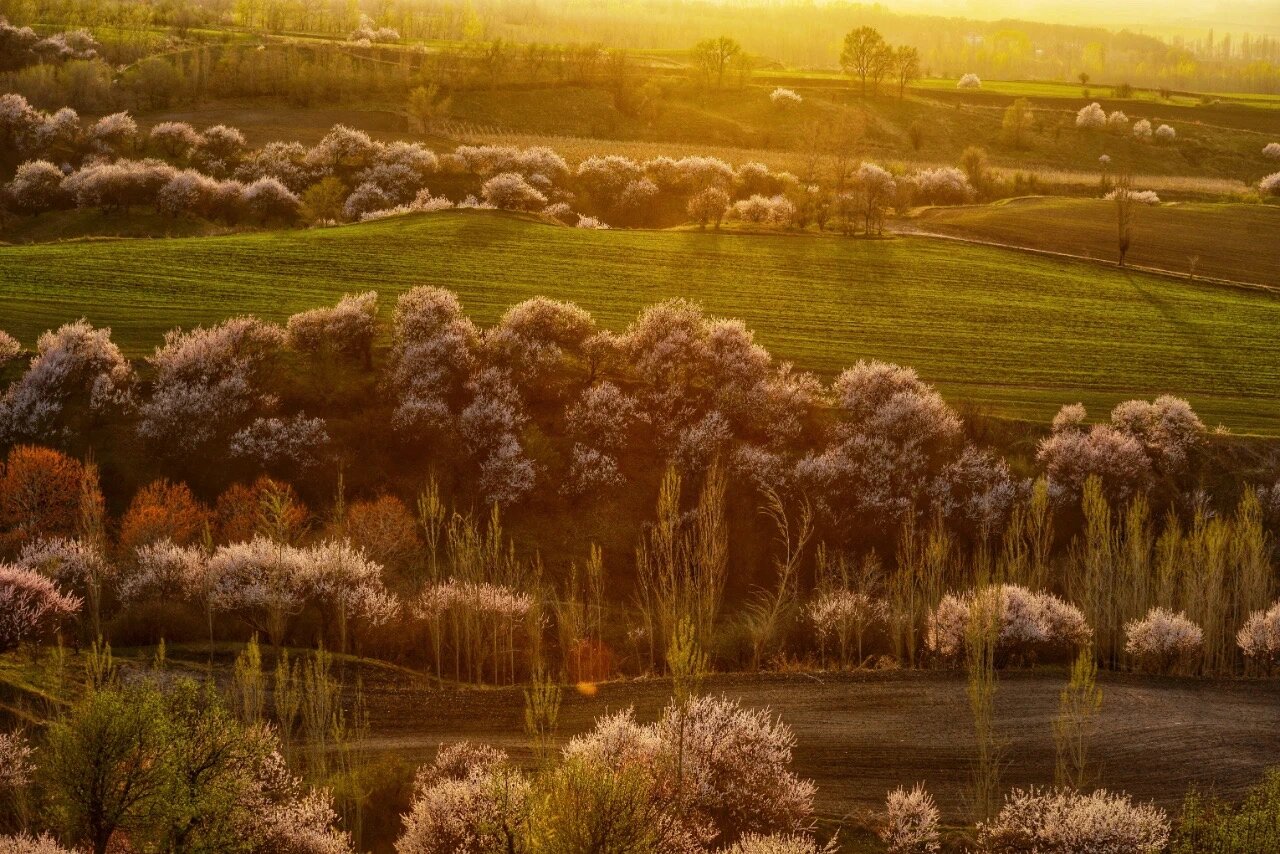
{"x":1012,"y":333}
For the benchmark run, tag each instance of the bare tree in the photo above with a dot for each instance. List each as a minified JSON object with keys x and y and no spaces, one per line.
{"x":865,"y":54}
{"x":715,"y":56}
{"x":906,"y":65}
{"x":1125,"y":203}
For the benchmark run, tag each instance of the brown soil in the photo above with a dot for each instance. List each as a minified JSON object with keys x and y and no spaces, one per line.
{"x":859,"y":735}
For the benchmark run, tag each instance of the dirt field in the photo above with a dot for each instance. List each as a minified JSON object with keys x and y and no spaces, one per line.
{"x":1226,"y":241}
{"x":861,"y":735}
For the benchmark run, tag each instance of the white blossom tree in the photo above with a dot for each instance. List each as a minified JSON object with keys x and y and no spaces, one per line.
{"x":910,"y":822}
{"x":433,"y":349}
{"x":1163,"y":640}
{"x":31,"y":605}
{"x":1065,"y":820}
{"x":208,"y":382}
{"x":77,"y":368}
{"x":1025,"y":622}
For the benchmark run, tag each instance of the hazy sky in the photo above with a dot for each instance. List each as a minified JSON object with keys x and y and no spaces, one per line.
{"x":1188,"y":16}
{"x":1234,"y":15}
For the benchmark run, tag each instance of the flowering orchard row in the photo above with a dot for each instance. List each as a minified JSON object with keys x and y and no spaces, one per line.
{"x":214,"y":173}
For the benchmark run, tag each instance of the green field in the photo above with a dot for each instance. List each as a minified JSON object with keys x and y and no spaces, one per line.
{"x":1016,"y":334}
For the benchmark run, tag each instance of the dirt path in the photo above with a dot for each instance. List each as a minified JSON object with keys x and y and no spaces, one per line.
{"x":861,"y":735}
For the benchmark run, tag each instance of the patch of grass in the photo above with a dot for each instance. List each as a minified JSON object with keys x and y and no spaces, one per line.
{"x":1015,"y":334}
{"x":1222,"y":239}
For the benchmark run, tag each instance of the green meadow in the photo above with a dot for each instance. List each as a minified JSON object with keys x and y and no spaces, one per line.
{"x":1013,"y":334}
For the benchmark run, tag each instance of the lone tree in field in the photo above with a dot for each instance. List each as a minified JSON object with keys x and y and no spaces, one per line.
{"x":1017,"y":121}
{"x":1124,"y":199}
{"x":906,"y":65}
{"x":713,"y":57}
{"x":865,"y":54}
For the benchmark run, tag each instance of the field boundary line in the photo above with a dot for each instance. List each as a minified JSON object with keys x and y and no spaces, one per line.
{"x":911,"y":231}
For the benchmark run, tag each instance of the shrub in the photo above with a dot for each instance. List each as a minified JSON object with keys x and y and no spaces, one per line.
{"x":969,"y":81}
{"x":1166,"y":134}
{"x":31,"y":607}
{"x":1063,"y":821}
{"x":10,"y":348}
{"x":163,"y":571}
{"x":384,"y":529}
{"x":1091,"y":117}
{"x":1272,"y":150}
{"x":23,"y":844}
{"x":207,"y":382}
{"x":1259,"y":638}
{"x":162,"y":510}
{"x":295,"y":443}
{"x":780,"y":843}
{"x":36,"y":186}
{"x":284,"y":161}
{"x":175,"y":139}
{"x":1142,"y":197}
{"x":39,"y":493}
{"x":432,"y":351}
{"x":239,"y":511}
{"x":784,"y":98}
{"x":188,"y":193}
{"x":15,"y":756}
{"x":1117,"y":121}
{"x":1270,"y":185}
{"x":509,"y":191}
{"x":733,"y":781}
{"x":777,"y":210}
{"x":77,"y":368}
{"x":112,"y":134}
{"x":944,"y":185}
{"x":366,"y":198}
{"x":975,"y":491}
{"x":221,"y":147}
{"x":709,"y":205}
{"x":346,"y":329}
{"x":119,"y":185}
{"x":533,"y":339}
{"x":1167,"y":427}
{"x":606,"y":176}
{"x":893,"y":431}
{"x":268,"y":199}
{"x":1072,"y":455}
{"x":469,"y":801}
{"x":1025,"y":622}
{"x":910,"y":822}
{"x":1209,"y":824}
{"x":1162,"y":640}
{"x":1142,"y":130}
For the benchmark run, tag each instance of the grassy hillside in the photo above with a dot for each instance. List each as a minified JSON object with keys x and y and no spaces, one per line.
{"x":1016,"y":334}
{"x":1223,"y":238}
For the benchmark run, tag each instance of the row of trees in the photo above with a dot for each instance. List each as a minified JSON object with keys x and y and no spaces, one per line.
{"x":799,"y":38}
{"x":867,"y":56}
{"x":215,"y":174}
{"x":877,"y":462}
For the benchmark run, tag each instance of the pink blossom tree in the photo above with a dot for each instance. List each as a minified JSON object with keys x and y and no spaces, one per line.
{"x":31,"y":605}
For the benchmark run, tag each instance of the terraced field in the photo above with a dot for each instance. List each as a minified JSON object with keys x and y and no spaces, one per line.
{"x":1012,"y":333}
